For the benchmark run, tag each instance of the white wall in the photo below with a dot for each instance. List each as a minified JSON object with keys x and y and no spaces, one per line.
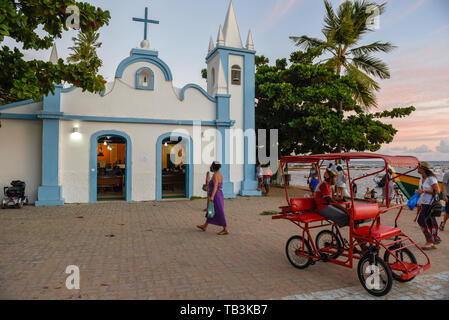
{"x":75,"y":157}
{"x":21,"y":154}
{"x":125,"y":101}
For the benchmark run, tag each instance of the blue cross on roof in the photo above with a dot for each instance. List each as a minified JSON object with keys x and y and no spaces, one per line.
{"x":146,"y":21}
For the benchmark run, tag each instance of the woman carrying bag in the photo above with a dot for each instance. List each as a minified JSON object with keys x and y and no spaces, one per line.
{"x":429,"y":190}
{"x":215,"y":214}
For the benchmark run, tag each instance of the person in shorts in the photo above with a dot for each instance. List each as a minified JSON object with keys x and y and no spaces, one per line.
{"x":323,"y":199}
{"x":446,"y":199}
{"x":267,"y":174}
{"x":259,"y":176}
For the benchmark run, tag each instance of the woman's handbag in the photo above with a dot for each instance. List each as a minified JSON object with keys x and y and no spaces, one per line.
{"x":413,"y":201}
{"x":205,"y":187}
{"x":211,"y":210}
{"x":436,"y":207}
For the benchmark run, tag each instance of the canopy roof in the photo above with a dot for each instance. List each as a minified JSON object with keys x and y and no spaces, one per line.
{"x":394,"y":161}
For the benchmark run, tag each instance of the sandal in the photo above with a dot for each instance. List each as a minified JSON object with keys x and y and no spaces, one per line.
{"x":202,"y":228}
{"x":431,"y":247}
{"x":223,"y":233}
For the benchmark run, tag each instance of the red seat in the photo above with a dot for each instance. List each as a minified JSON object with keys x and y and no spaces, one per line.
{"x":378,"y":232}
{"x":308,"y":217}
{"x":366,"y":211}
{"x":302,"y":204}
{"x":306,"y":207}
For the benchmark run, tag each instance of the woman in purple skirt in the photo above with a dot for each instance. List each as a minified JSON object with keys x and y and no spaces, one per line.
{"x":216,"y":195}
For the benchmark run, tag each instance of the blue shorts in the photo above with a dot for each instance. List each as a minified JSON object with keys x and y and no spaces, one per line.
{"x":266,"y":181}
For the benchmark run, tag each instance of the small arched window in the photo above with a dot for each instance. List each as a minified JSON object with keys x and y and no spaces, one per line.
{"x":236,"y":75}
{"x":145,"y":79}
{"x":212,"y":76}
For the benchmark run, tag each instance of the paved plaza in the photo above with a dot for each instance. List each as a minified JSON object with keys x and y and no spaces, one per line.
{"x":152,"y":250}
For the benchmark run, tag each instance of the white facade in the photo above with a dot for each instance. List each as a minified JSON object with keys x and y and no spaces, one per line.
{"x":42,"y":147}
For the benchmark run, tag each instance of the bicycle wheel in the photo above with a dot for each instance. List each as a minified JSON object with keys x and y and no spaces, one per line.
{"x":327,"y":239}
{"x":374,"y":275}
{"x":405,"y":255}
{"x":295,"y":246}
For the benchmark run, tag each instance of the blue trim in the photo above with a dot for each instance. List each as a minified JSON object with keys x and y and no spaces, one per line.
{"x":114,"y":119}
{"x":189,"y":165}
{"x":18,"y":104}
{"x":234,"y":50}
{"x":50,"y":193}
{"x":15,"y":116}
{"x":94,"y":162}
{"x":249,"y":184}
{"x":195,"y":86}
{"x":151,"y":86}
{"x":49,"y":115}
{"x":223,"y":145}
{"x":136,"y":120}
{"x":138,"y":55}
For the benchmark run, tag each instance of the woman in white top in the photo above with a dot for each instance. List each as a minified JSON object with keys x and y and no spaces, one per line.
{"x":428,"y":186}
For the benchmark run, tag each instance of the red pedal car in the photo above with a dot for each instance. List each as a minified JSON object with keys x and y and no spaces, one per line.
{"x":366,"y":243}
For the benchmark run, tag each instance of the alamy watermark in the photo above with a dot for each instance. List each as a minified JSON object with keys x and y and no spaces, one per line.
{"x":229,"y":146}
{"x":73,"y":21}
{"x":373,"y":281}
{"x":73,"y":280}
{"x":373,"y":21}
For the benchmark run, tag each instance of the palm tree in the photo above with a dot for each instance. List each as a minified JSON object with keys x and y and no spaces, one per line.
{"x":86,"y":45}
{"x":343,"y":30}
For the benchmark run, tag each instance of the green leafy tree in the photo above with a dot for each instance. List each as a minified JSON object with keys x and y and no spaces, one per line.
{"x":19,"y":20}
{"x":343,"y":30}
{"x":85,"y":48}
{"x":302,"y":100}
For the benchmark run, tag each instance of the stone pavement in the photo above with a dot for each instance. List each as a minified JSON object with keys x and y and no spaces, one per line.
{"x":426,"y":287}
{"x":152,"y":250}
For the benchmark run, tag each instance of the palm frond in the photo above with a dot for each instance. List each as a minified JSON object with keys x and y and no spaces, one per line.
{"x":372,"y":48}
{"x":366,"y":86}
{"x":330,"y":20}
{"x":372,"y":66}
{"x":307,"y":42}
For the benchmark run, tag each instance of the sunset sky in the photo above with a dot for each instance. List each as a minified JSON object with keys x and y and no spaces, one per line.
{"x":419,"y":66}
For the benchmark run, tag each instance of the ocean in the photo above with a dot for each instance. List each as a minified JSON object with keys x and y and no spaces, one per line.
{"x":299,"y":174}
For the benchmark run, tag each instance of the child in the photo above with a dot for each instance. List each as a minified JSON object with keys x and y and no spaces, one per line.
{"x":368,"y":193}
{"x":266,"y":179}
{"x":313,"y":183}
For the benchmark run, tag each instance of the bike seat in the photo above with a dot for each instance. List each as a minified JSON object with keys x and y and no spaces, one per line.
{"x":308,"y":217}
{"x":378,"y":232}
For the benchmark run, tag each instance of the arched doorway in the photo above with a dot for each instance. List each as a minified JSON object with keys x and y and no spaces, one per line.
{"x":110,"y":166}
{"x":174,"y":157}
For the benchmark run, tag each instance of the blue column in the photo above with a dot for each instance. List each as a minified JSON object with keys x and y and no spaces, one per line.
{"x":249,"y":184}
{"x":223,"y":124}
{"x":50,"y":193}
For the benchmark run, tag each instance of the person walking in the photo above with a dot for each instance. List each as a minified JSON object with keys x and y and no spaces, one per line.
{"x":341,"y":184}
{"x":446,"y":199}
{"x":259,"y":176}
{"x":313,"y":173}
{"x":428,"y":187}
{"x":206,"y":188}
{"x":390,"y":187}
{"x":267,"y":174}
{"x":216,"y":195}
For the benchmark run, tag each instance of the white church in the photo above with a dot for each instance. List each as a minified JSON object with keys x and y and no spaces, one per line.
{"x":79,"y":147}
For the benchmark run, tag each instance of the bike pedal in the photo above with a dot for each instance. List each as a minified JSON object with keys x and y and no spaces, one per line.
{"x":324,"y":257}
